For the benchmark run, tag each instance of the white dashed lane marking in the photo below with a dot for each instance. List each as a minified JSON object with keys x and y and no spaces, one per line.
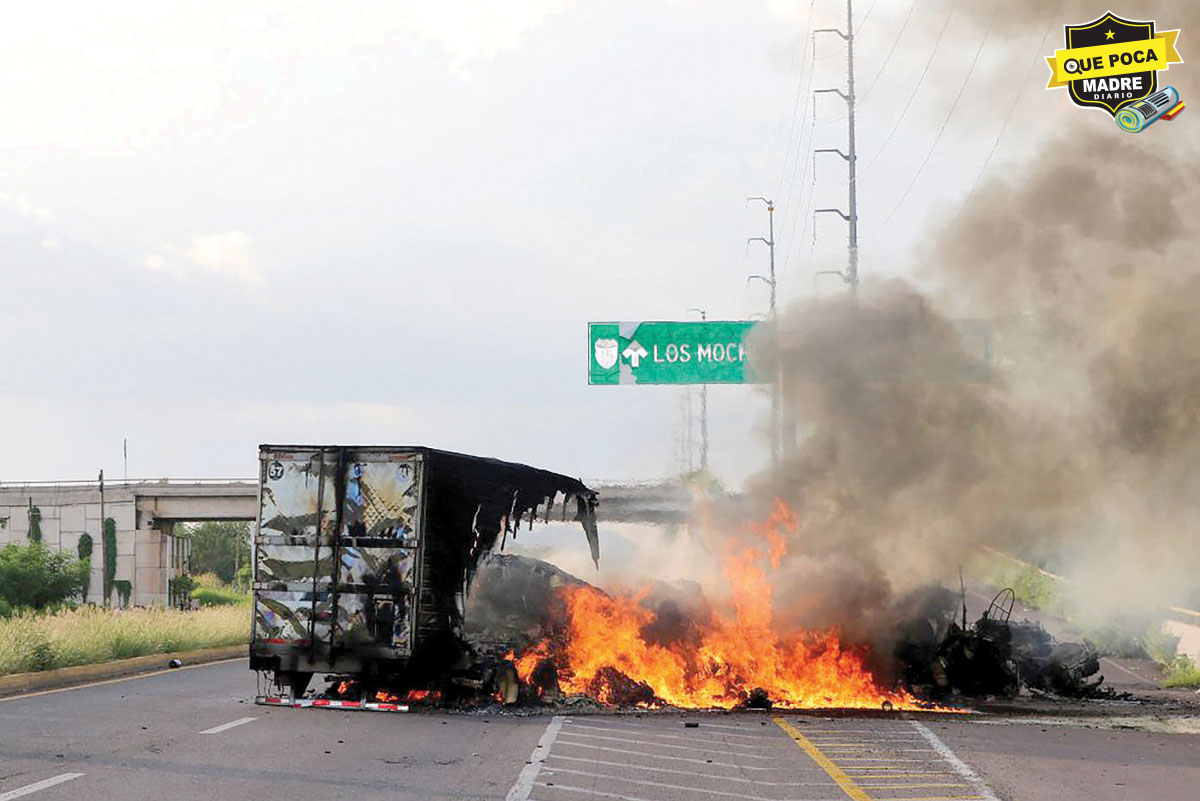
{"x":227,"y":726}
{"x":42,"y":785}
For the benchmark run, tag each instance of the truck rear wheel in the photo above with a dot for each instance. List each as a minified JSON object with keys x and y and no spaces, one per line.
{"x":294,"y":680}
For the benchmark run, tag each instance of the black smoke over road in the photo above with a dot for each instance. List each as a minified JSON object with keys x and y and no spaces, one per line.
{"x":1075,"y":276}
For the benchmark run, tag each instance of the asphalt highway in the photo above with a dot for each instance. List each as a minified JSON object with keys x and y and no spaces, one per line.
{"x":195,"y":734}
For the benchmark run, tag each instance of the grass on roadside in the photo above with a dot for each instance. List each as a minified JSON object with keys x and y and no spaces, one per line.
{"x":1181,"y":672}
{"x":1031,"y":586}
{"x":89,"y":635}
{"x":220,"y":596}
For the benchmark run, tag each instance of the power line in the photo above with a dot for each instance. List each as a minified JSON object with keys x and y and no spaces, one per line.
{"x":1037,"y":59}
{"x":803,"y":144}
{"x":895,"y":43}
{"x":913,"y":94}
{"x":807,"y":197}
{"x":949,"y":114}
{"x":804,"y":80}
{"x":779,"y":141}
{"x":867,"y":16}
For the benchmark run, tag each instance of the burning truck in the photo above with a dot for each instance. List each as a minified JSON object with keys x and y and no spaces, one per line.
{"x":363,"y":556}
{"x":380,"y":568}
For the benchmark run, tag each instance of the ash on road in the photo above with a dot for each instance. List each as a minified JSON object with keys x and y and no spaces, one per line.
{"x":193,"y":734}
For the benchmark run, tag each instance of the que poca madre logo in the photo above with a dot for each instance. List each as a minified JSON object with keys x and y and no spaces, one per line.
{"x":1112,"y":64}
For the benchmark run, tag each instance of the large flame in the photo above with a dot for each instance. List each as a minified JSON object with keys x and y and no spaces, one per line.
{"x":731,"y":656}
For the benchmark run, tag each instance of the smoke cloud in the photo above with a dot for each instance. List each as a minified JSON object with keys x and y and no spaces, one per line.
{"x":1040,"y":394}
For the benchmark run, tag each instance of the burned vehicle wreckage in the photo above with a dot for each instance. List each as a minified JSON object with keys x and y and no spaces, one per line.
{"x":363,"y":557}
{"x":994,"y":656}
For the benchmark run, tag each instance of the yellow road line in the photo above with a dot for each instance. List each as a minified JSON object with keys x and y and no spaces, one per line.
{"x":848,"y":785}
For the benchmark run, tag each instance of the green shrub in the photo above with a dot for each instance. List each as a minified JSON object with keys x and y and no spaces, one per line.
{"x":110,"y":557}
{"x":1182,"y":672}
{"x":84,"y":549}
{"x":1159,"y":644}
{"x":1034,"y":588}
{"x":179,"y":589}
{"x":35,"y":576}
{"x":35,"y":523}
{"x":219,"y":596}
{"x":124,"y":591}
{"x":245,"y":575}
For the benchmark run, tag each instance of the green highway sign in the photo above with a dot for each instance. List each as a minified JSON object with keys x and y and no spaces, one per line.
{"x":712,"y":352}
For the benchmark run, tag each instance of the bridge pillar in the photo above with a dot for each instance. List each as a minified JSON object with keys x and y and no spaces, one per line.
{"x":152,"y":549}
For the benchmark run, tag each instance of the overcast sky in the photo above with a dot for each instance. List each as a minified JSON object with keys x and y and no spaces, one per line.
{"x":391,"y":222}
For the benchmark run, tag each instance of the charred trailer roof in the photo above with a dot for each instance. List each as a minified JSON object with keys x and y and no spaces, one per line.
{"x":472,"y":502}
{"x":364,"y":553}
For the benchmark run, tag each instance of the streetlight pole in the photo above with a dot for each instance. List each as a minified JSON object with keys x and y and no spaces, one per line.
{"x":105,"y":557}
{"x":769,"y":241}
{"x":703,"y":408}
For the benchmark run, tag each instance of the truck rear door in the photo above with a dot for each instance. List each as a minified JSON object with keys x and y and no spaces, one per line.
{"x":294,"y":547}
{"x":376,"y":553}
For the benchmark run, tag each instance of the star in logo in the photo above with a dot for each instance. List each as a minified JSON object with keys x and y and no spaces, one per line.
{"x":1108,"y":34}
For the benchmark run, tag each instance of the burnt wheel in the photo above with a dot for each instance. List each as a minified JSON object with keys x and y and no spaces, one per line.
{"x":295,"y":681}
{"x":508,"y":683}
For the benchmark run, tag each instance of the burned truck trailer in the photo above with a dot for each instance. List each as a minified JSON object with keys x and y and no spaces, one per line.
{"x":363,"y":557}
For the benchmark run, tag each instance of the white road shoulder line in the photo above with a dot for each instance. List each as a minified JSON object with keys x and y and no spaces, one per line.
{"x":621,"y":797}
{"x":660,"y":757}
{"x":666,"y":786}
{"x":42,"y":785}
{"x":960,"y":767}
{"x":648,"y":732}
{"x":692,"y":773}
{"x":525,"y":781}
{"x":226,"y":726}
{"x":699,"y":748}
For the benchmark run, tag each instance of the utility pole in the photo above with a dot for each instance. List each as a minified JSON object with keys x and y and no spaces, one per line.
{"x":851,"y":156}
{"x":103,"y":546}
{"x":703,"y":408}
{"x":689,"y":461}
{"x":770,"y":281}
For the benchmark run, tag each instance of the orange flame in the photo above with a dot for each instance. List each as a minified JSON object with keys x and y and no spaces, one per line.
{"x":529,"y":660}
{"x":729,"y":658}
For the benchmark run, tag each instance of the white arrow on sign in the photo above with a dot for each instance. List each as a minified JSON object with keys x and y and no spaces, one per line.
{"x":635,"y":353}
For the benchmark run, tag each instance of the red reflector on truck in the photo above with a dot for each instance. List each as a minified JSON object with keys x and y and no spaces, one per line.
{"x":323,"y":703}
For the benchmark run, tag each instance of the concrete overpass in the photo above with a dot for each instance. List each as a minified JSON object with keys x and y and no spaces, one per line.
{"x":145,"y":512}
